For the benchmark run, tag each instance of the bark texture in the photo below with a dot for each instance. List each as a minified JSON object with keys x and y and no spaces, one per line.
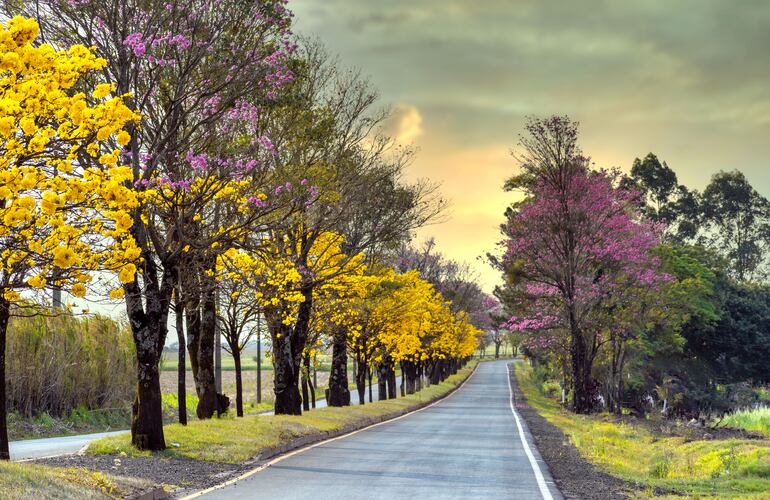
{"x":339,"y":393}
{"x":5,"y":313}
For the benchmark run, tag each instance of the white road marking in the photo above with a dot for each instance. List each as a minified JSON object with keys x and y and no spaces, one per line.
{"x":535,"y":467}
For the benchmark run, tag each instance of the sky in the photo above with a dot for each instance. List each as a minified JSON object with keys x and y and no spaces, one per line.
{"x":688,"y":80}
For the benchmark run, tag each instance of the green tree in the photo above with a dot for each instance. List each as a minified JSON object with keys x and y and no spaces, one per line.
{"x":667,"y":201}
{"x":737,"y":220}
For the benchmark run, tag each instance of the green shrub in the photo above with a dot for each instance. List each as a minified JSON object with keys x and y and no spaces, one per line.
{"x":661,"y":466}
{"x":756,"y":420}
{"x":551,"y":388}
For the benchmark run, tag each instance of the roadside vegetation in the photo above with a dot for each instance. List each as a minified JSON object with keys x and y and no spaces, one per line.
{"x":634,"y":294}
{"x":23,"y":481}
{"x":756,"y":420}
{"x":68,"y":374}
{"x":678,"y":460}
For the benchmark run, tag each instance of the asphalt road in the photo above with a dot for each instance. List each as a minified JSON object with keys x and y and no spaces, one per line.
{"x":39,"y":448}
{"x":468,"y":446}
{"x":47,"y":447}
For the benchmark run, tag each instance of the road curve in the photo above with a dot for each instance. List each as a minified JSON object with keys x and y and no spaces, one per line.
{"x":466,"y":446}
{"x":46,"y":447}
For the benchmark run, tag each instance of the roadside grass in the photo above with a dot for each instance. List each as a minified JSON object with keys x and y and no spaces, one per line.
{"x":24,"y":481}
{"x":171,"y":407}
{"x":79,"y":421}
{"x":756,"y":420}
{"x":727,"y":468}
{"x":235,"y":440}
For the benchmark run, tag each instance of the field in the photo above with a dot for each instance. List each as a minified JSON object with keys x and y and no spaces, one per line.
{"x":168,"y":378}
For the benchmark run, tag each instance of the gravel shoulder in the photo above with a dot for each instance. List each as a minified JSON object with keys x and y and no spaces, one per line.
{"x":182,"y":473}
{"x":575,"y":476}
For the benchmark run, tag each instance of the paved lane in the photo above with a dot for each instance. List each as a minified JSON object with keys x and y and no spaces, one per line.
{"x":38,"y":448}
{"x":467,"y":446}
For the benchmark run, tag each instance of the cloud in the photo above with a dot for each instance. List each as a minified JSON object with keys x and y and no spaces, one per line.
{"x":686,"y":80}
{"x":404,"y":124}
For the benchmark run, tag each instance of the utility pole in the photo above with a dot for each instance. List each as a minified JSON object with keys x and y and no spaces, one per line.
{"x":259,"y":358}
{"x":217,"y":359}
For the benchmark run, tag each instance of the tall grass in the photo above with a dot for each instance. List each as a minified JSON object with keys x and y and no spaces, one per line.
{"x":57,"y":364}
{"x":756,"y":420}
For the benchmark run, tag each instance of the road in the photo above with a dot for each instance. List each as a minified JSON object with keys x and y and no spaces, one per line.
{"x":467,"y":446}
{"x":47,"y":447}
{"x":38,"y":448}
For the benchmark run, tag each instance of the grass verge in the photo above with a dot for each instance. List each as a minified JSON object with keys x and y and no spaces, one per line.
{"x":756,"y":420}
{"x":23,"y":481}
{"x":79,"y":421}
{"x":726,"y":468}
{"x":236,"y":440}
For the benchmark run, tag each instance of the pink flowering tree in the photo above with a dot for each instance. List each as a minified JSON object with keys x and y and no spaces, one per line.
{"x":571,"y":245}
{"x":490,"y":318}
{"x":202,"y":75}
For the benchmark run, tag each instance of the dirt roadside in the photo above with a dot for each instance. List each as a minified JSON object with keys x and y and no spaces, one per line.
{"x":574,"y":476}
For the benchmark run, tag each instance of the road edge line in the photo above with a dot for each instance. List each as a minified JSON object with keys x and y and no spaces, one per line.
{"x":303,"y":449}
{"x":535,"y":467}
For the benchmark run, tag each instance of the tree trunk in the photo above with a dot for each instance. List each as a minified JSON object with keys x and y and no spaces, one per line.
{"x":288,"y":345}
{"x":181,"y":368}
{"x":619,"y":361}
{"x":5,"y":313}
{"x":369,"y":374}
{"x":361,"y":369}
{"x":259,"y":360}
{"x":149,"y":329}
{"x":339,"y":393}
{"x":304,"y":382}
{"x":582,"y":385}
{"x":285,"y":374}
{"x":409,"y":376}
{"x":497,"y":349}
{"x":191,"y":294}
{"x":147,"y":422}
{"x":310,"y":382}
{"x":391,"y":381}
{"x":238,"y":380}
{"x":382,"y":380}
{"x":206,"y":382}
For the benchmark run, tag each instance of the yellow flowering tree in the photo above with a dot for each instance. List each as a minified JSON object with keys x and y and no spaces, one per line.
{"x":382,"y":305}
{"x":405,"y":321}
{"x":63,"y":197}
{"x":249,"y":283}
{"x":319,"y":258}
{"x":334,"y":318}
